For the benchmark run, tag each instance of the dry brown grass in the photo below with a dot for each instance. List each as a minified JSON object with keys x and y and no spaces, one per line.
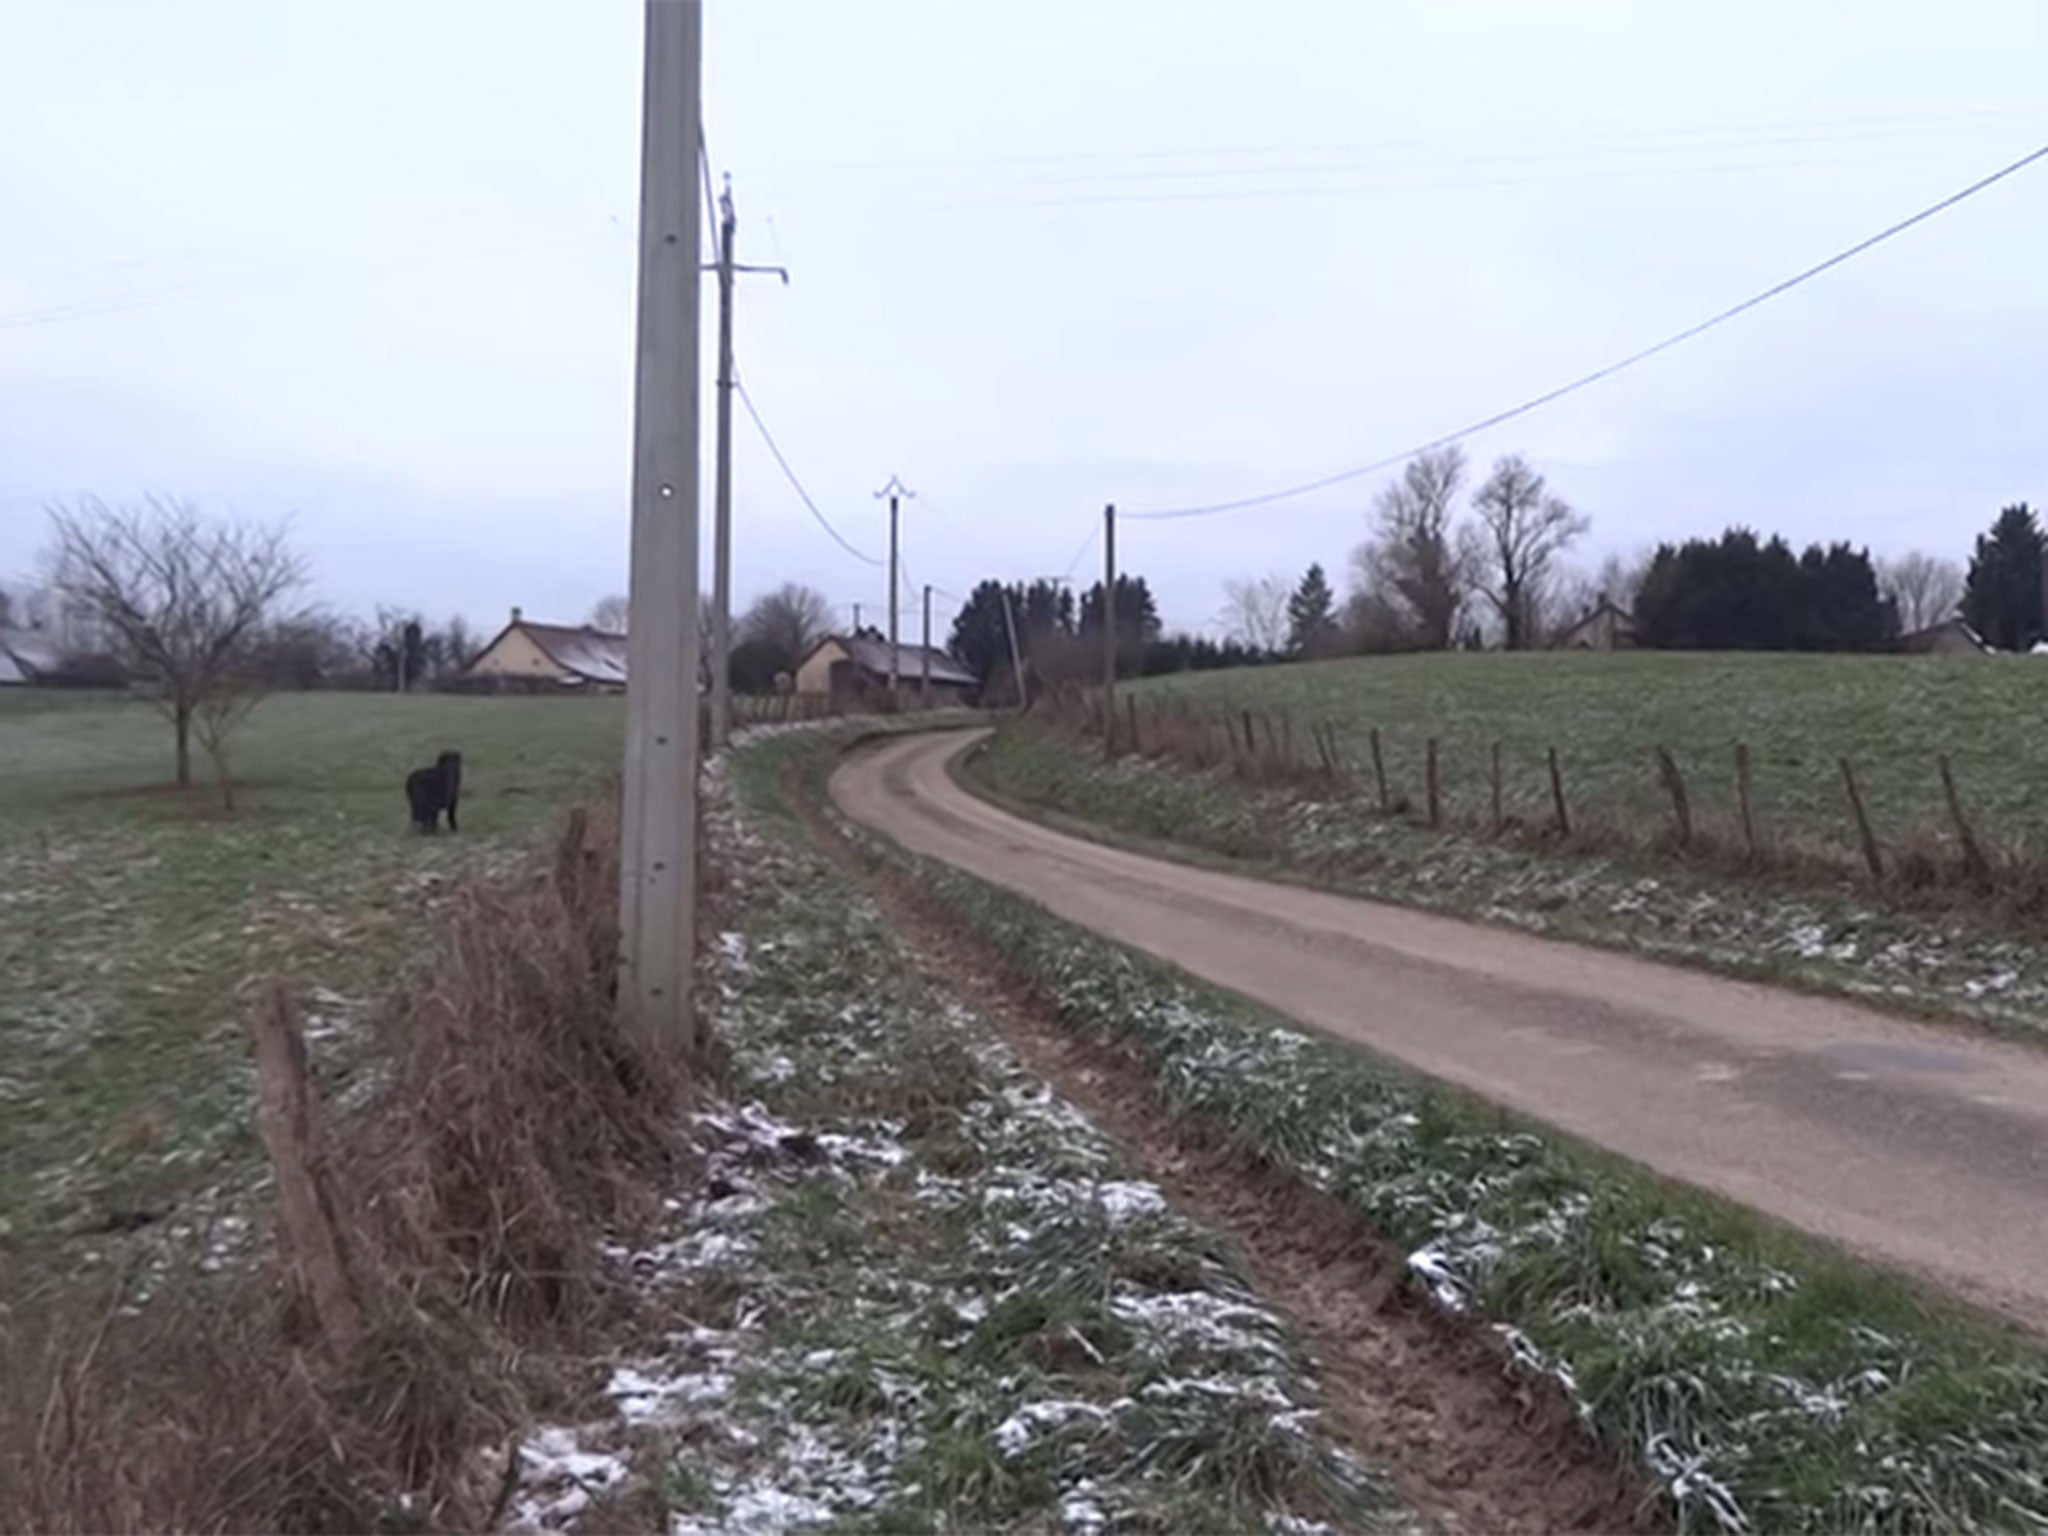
{"x":515,"y":1125}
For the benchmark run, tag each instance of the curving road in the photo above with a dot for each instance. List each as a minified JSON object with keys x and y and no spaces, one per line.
{"x":1921,"y":1147}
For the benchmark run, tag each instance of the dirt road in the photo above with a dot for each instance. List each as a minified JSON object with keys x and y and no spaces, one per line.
{"x":1922,"y":1147}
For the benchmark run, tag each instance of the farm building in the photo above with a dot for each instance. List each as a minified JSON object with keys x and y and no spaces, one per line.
{"x":530,"y":655}
{"x":1951,"y":637}
{"x":27,"y":656}
{"x":1603,"y":627}
{"x":852,"y":671}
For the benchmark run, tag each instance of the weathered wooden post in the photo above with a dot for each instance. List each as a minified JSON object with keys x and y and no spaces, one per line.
{"x":1974,"y":863}
{"x":1744,"y":800}
{"x":286,"y":1122}
{"x":1681,"y":804}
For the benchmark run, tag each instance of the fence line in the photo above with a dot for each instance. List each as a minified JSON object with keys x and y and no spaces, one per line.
{"x":1272,"y":747}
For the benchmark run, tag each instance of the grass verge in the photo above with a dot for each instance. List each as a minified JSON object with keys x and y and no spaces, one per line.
{"x":910,"y":1288}
{"x":1829,"y":939}
{"x":1765,"y":1382}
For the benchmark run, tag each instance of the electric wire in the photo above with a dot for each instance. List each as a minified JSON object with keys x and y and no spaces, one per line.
{"x":1497,"y":418}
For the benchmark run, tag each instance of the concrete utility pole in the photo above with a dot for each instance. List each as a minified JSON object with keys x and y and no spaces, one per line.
{"x":1109,"y":630}
{"x":924,"y":692}
{"x":897,"y":492}
{"x":658,"y":821}
{"x":721,"y":576}
{"x":1016,"y":656}
{"x":856,"y":620}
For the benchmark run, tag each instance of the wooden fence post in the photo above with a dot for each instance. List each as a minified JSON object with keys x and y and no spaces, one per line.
{"x":1974,"y":862}
{"x":1379,"y":773}
{"x":1288,"y":760}
{"x":1743,"y":798}
{"x":1321,"y":733}
{"x":1564,"y":816}
{"x":1433,"y":786}
{"x":1137,"y":741}
{"x":285,"y":1120}
{"x":1499,"y":808}
{"x":1681,"y":805}
{"x":1872,"y":856}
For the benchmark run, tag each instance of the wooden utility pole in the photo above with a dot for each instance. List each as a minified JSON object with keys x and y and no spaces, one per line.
{"x":721,"y":574}
{"x":856,"y":620}
{"x":658,"y":821}
{"x":924,"y":692}
{"x":897,"y":492}
{"x":1109,"y":630}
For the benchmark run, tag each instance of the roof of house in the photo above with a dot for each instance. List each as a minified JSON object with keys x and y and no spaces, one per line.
{"x":26,"y":654}
{"x":1600,"y":610}
{"x":870,"y":653}
{"x":589,"y":655}
{"x":1954,"y":624}
{"x":595,"y":655}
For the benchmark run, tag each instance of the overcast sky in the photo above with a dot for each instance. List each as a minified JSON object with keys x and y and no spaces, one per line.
{"x":370,"y":266}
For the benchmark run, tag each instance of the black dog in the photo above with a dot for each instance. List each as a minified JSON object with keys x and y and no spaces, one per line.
{"x":434,"y":790}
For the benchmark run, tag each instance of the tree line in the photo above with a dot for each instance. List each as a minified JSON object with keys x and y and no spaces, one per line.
{"x":1442,"y":569}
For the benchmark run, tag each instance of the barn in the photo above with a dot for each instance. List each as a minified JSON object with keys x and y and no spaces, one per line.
{"x":852,"y":673}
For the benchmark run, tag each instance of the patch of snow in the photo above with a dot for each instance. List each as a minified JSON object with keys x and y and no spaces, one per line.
{"x":1126,"y":1200}
{"x":559,"y":1478}
{"x":1432,"y":1264}
{"x":1014,"y":1435}
{"x":643,"y":1399}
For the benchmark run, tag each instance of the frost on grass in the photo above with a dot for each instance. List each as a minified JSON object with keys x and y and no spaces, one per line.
{"x":1834,"y":940}
{"x":1759,"y":1398}
{"x":909,"y":1284}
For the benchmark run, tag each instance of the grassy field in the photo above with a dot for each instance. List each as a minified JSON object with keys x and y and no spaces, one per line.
{"x":1891,"y":715}
{"x":133,"y":916}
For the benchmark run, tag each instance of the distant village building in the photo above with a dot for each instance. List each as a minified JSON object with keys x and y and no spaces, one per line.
{"x":28,"y":656}
{"x":852,"y":672}
{"x":1603,"y":627}
{"x":550,"y":656}
{"x":1951,"y":637}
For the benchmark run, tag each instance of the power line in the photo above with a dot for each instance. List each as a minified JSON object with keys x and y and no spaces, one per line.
{"x":823,"y":522}
{"x":1611,"y":369}
{"x":1073,"y":565}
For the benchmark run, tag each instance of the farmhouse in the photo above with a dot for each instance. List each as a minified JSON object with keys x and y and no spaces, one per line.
{"x":27,"y":656}
{"x":1951,"y":637}
{"x":852,"y":671}
{"x":549,"y":656}
{"x":1603,"y":627}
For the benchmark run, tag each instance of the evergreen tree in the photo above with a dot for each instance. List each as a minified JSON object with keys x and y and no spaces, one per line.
{"x":1312,"y":615}
{"x":2002,"y":594}
{"x":1739,"y":593}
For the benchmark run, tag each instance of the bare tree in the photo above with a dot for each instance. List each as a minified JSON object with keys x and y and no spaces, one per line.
{"x":182,"y":597}
{"x":1926,"y":588}
{"x":786,"y":623}
{"x":1412,"y":561}
{"x":1522,"y":529}
{"x":222,"y":706}
{"x":610,"y":615}
{"x":1255,"y":611}
{"x":459,"y":644}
